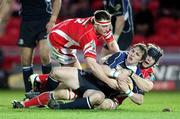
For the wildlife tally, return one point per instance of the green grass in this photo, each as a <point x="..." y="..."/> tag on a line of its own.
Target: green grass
<point x="151" y="109"/>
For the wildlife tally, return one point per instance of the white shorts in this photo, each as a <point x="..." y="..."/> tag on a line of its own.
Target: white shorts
<point x="63" y="55"/>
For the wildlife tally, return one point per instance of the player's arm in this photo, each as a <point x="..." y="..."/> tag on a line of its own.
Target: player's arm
<point x="55" y="11"/>
<point x="113" y="46"/>
<point x="99" y="73"/>
<point x="144" y="84"/>
<point x="103" y="59"/>
<point x="137" y="98"/>
<point x="119" y="25"/>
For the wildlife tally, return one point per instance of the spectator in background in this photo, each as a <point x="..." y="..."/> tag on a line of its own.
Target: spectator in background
<point x="144" y="21"/>
<point x="169" y="8"/>
<point x="38" y="17"/>
<point x="80" y="9"/>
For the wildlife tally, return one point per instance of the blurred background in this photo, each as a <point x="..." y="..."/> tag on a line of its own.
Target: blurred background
<point x="156" y="21"/>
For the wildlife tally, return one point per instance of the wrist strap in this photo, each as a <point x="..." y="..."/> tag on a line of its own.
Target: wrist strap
<point x="129" y="93"/>
<point x="132" y="73"/>
<point x="114" y="74"/>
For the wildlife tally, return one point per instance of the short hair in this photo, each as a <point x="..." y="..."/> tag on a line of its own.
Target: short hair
<point x="100" y="15"/>
<point x="143" y="48"/>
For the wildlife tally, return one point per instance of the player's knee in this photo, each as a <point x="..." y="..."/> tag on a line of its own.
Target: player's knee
<point x="98" y="97"/>
<point x="108" y="104"/>
<point x="54" y="72"/>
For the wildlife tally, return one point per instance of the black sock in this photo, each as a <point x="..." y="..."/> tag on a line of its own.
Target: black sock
<point x="46" y="69"/>
<point x="27" y="71"/>
<point x="79" y="103"/>
<point x="52" y="84"/>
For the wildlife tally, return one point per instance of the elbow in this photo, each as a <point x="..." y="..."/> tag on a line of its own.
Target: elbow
<point x="140" y="102"/>
<point x="149" y="87"/>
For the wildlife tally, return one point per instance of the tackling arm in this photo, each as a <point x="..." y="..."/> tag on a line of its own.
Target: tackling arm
<point x="113" y="46"/>
<point x="144" y="84"/>
<point x="98" y="71"/>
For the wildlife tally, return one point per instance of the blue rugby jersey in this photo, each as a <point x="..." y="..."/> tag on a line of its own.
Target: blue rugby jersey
<point x="118" y="60"/>
<point x="35" y="9"/>
<point x="121" y="8"/>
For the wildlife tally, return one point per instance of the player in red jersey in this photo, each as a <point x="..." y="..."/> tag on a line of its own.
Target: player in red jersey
<point x="81" y="34"/>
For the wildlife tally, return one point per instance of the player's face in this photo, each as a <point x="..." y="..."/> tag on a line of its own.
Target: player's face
<point x="102" y="29"/>
<point x="149" y="61"/>
<point x="134" y="56"/>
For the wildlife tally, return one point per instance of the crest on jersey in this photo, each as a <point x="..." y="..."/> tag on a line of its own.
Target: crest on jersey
<point x="117" y="7"/>
<point x="21" y="41"/>
<point x="90" y="47"/>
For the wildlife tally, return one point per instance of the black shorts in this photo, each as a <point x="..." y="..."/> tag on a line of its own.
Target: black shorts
<point x="89" y="81"/>
<point x="84" y="83"/>
<point x="31" y="32"/>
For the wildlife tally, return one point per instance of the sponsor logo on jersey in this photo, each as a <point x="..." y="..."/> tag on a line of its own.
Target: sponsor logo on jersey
<point x="21" y="41"/>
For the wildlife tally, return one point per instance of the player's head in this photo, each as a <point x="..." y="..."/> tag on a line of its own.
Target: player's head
<point x="137" y="53"/>
<point x="102" y="21"/>
<point x="153" y="56"/>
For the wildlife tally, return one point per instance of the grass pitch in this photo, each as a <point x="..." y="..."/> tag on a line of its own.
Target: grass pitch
<point x="154" y="103"/>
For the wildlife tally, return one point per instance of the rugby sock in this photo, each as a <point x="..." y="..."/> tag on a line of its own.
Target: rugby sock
<point x="79" y="103"/>
<point x="27" y="71"/>
<point x="52" y="84"/>
<point x="46" y="69"/>
<point x="42" y="78"/>
<point x="41" y="99"/>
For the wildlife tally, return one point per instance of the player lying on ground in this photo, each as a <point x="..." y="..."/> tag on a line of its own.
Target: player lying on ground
<point x="154" y="54"/>
<point x="146" y="84"/>
<point x="86" y="85"/>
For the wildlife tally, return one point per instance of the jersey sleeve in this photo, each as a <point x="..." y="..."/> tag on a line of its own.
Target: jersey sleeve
<point x="108" y="37"/>
<point x="88" y="45"/>
<point x="115" y="59"/>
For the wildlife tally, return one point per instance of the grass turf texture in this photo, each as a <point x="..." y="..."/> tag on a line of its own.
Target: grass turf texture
<point x="154" y="103"/>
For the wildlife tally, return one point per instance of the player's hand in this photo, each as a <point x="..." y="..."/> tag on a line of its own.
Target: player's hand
<point x="123" y="85"/>
<point x="113" y="84"/>
<point x="49" y="25"/>
<point x="123" y="74"/>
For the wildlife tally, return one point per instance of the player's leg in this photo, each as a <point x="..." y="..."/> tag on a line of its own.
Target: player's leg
<point x="96" y="97"/>
<point x="90" y="99"/>
<point x="65" y="94"/>
<point x="27" y="68"/>
<point x="43" y="46"/>
<point x="39" y="100"/>
<point x="67" y="75"/>
<point x="45" y="57"/>
<point x="108" y="104"/>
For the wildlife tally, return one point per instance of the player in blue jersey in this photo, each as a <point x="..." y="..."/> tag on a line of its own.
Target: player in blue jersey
<point x="38" y="17"/>
<point x="122" y="23"/>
